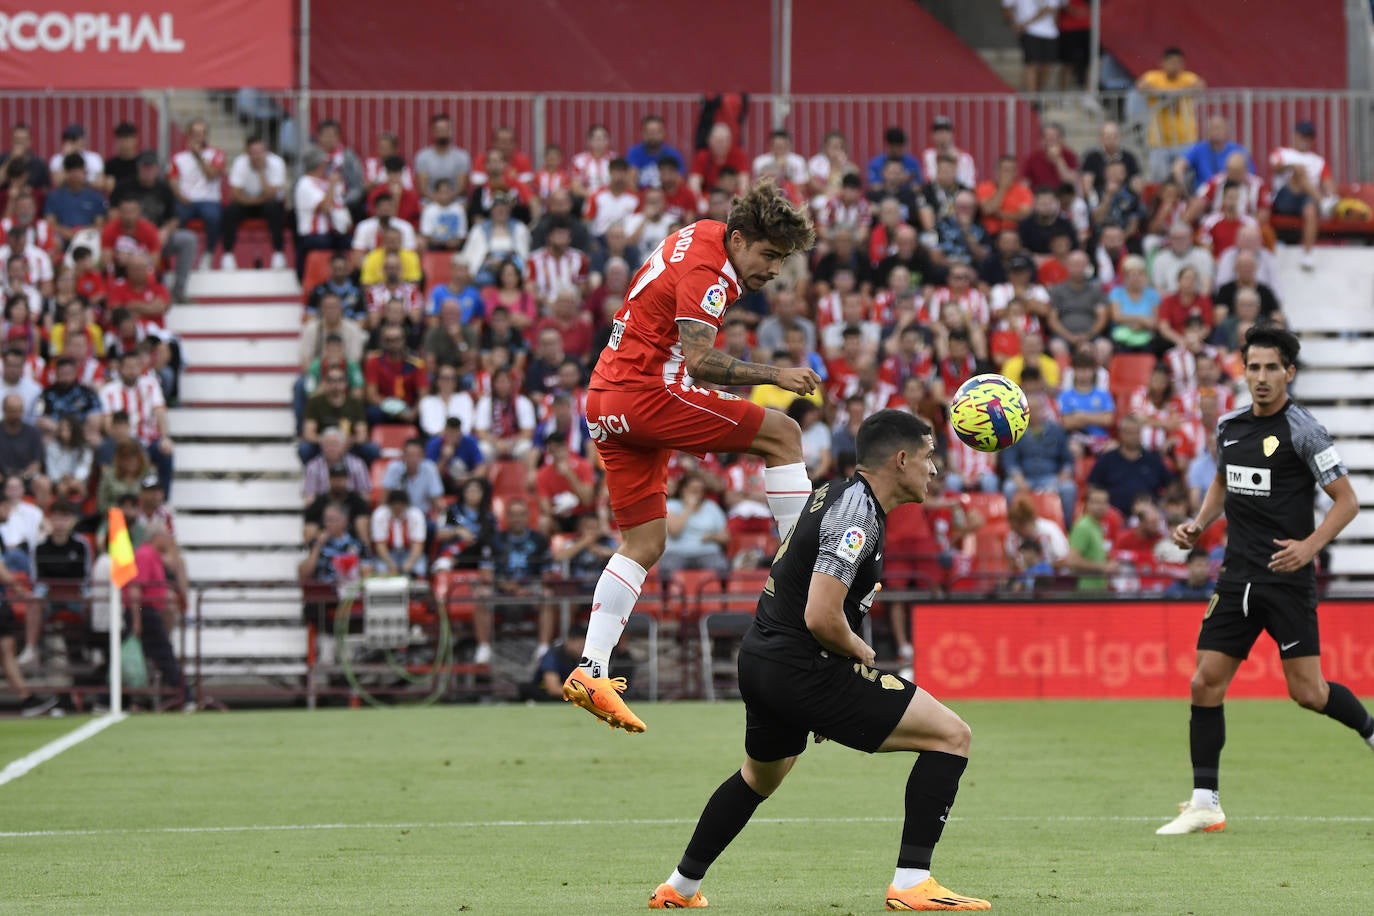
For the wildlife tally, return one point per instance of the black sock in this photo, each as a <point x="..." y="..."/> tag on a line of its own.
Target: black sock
<point x="728" y="810"/>
<point x="1342" y="706"/>
<point x="1206" y="736"/>
<point x="930" y="791"/>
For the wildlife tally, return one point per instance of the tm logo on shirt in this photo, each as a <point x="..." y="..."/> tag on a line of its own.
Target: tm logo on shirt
<point x="1246" y="481"/>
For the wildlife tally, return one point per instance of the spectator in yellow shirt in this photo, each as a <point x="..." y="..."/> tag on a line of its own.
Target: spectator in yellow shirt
<point x="781" y="398"/>
<point x="1033" y="354"/>
<point x="1169" y="92"/>
<point x="371" y="271"/>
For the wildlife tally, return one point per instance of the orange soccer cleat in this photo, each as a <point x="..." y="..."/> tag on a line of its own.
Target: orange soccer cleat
<point x="931" y="895"/>
<point x="666" y="897"/>
<point x="600" y="696"/>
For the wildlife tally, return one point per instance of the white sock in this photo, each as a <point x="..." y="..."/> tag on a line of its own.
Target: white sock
<point x="1370" y="741"/>
<point x="1206" y="798"/>
<point x="684" y="885"/>
<point x="612" y="603"/>
<point x="906" y="878"/>
<point x="788" y="490"/>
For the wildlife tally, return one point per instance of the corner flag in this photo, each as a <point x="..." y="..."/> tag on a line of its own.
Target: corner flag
<point x="122" y="565"/>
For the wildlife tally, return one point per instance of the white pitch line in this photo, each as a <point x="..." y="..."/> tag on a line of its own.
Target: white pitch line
<point x="667" y="821"/>
<point x="24" y="764"/>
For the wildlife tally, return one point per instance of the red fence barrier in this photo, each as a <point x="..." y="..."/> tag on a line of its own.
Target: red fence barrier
<point x="1115" y="650"/>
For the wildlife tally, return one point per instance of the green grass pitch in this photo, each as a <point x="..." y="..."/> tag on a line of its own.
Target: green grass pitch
<point x="512" y="809"/>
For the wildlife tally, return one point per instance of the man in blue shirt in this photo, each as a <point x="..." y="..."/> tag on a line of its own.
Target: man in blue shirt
<point x="517" y="568"/>
<point x="643" y="156"/>
<point x="894" y="140"/>
<point x="1208" y="157"/>
<point x="455" y="453"/>
<point x="1085" y="410"/>
<point x="1129" y="469"/>
<point x="415" y="474"/>
<point x="75" y="205"/>
<point x="341" y="284"/>
<point x="1040" y="460"/>
<point x="460" y="289"/>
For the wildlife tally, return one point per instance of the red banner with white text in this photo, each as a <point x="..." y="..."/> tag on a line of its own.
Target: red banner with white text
<point x="1110" y="651"/>
<point x="143" y="44"/>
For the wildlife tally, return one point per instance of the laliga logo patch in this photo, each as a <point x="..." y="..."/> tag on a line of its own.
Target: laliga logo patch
<point x="1271" y="444"/>
<point x="713" y="303"/>
<point x="851" y="545"/>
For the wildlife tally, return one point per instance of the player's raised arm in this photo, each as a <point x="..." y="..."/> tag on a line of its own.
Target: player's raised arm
<point x="703" y="361"/>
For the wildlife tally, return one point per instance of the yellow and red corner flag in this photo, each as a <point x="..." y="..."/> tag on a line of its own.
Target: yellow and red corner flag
<point x="122" y="565"/>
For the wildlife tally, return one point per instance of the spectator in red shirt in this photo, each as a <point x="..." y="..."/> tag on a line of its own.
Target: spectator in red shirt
<point x="566" y="485"/>
<point x="1053" y="163"/>
<point x="721" y="151"/>
<point x="395" y="381"/>
<point x="407" y="200"/>
<point x="1188" y="302"/>
<point x="140" y="292"/>
<point x="127" y="234"/>
<point x="678" y="196"/>
<point x="148" y="600"/>
<point x="568" y="318"/>
<point x="1218" y="230"/>
<point x="90" y="282"/>
<point x="517" y="160"/>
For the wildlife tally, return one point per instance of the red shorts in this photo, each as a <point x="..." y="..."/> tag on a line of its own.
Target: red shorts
<point x="637" y="430"/>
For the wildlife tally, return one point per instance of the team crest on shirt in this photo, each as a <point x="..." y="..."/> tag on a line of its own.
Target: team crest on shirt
<point x="851" y="545"/>
<point x="1271" y="445"/>
<point x="713" y="303"/>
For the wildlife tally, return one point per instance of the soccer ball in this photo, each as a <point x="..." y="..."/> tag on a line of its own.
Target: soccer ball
<point x="989" y="412"/>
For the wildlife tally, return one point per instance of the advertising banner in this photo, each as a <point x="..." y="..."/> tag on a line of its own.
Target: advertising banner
<point x="140" y="44"/>
<point x="1125" y="649"/>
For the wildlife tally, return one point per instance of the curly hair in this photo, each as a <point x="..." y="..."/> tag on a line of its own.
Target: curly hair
<point x="765" y="213"/>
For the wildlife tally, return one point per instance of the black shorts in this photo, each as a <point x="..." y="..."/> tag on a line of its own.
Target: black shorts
<point x="1037" y="50"/>
<point x="840" y="700"/>
<point x="1238" y="613"/>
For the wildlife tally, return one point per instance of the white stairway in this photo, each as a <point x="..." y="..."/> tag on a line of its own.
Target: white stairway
<point x="1332" y="310"/>
<point x="238" y="480"/>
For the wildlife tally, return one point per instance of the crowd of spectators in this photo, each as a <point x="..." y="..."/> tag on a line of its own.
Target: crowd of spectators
<point x="1117" y="305"/>
<point x="445" y="350"/>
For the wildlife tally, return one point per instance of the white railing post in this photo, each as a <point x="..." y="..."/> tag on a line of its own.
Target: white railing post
<point x="539" y="132"/>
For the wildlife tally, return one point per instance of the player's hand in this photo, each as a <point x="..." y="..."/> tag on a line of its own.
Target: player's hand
<point x="864" y="653"/>
<point x="1186" y="535"/>
<point x="798" y="380"/>
<point x="1292" y="556"/>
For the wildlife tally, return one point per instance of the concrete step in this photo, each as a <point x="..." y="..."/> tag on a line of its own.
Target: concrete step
<point x="1358" y="455"/>
<point x="253" y="642"/>
<point x="259" y="604"/>
<point x="193" y="458"/>
<point x="231" y="495"/>
<point x="242" y="565"/>
<point x="232" y="423"/>
<point x="256" y="388"/>
<point x="1335" y="353"/>
<point x="247" y="351"/>
<point x="250" y="283"/>
<point x="208" y="318"/>
<point x="1333" y="384"/>
<point x="1346" y="421"/>
<point x="1362" y="528"/>
<point x="1352" y="559"/>
<point x="220" y="530"/>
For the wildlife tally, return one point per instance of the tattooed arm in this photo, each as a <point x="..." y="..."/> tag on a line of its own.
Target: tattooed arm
<point x="703" y="361"/>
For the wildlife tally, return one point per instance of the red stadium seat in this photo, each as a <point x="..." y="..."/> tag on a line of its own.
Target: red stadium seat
<point x="377" y="472"/>
<point x="316" y="270"/>
<point x="510" y="477"/>
<point x="438" y="268"/>
<point x="454" y="591"/>
<point x="686" y="589"/>
<point x="743" y="588"/>
<point x="1050" y="506"/>
<point x="1130" y="370"/>
<point x="764" y="542"/>
<point x="993" y="508"/>
<point x="392" y="438"/>
<point x="499" y="503"/>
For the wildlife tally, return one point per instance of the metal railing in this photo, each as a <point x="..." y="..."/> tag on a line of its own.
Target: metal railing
<point x="987" y="125"/>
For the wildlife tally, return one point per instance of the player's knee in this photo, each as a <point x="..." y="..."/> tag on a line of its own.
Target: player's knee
<point x="958" y="737"/>
<point x="781" y="438"/>
<point x="1204" y="686"/>
<point x="1307" y="695"/>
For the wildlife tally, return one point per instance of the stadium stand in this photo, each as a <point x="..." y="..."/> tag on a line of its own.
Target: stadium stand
<point x="249" y="373"/>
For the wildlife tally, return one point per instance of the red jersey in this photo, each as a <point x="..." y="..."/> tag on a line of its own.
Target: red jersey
<point x="123" y="293"/>
<point x="120" y="238"/>
<point x="687" y="278"/>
